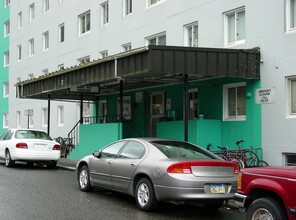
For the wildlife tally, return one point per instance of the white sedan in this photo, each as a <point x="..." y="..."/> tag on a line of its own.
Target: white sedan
<point x="31" y="146"/>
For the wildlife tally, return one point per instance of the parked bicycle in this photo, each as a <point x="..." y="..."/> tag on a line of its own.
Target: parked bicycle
<point x="223" y="153"/>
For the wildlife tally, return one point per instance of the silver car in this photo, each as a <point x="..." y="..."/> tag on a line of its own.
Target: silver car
<point x="153" y="170"/>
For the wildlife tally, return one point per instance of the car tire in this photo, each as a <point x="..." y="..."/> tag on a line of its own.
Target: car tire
<point x="266" y="208"/>
<point x="8" y="161"/>
<point x="84" y="179"/>
<point x="145" y="195"/>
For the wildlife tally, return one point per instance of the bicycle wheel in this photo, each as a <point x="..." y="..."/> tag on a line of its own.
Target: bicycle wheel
<point x="222" y="156"/>
<point x="262" y="163"/>
<point x="250" y="159"/>
<point x="238" y="161"/>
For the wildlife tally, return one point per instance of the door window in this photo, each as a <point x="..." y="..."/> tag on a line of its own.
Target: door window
<point x="133" y="150"/>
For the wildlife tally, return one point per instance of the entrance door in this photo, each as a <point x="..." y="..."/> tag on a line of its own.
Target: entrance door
<point x="157" y="111"/>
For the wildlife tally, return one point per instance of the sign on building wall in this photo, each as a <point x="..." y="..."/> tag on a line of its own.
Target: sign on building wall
<point x="265" y="96"/>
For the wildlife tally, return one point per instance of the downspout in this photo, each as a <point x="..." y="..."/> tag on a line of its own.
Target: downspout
<point x="185" y="108"/>
<point x="48" y="115"/>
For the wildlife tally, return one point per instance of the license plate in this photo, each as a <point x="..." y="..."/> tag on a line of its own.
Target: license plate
<point x="217" y="188"/>
<point x="40" y="146"/>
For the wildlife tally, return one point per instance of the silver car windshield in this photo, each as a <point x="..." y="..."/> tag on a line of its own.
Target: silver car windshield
<point x="175" y="149"/>
<point x="30" y="134"/>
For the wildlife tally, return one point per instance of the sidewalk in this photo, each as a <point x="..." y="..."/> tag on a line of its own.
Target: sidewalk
<point x="67" y="163"/>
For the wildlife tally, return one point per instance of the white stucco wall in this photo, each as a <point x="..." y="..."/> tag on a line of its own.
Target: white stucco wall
<point x="265" y="28"/>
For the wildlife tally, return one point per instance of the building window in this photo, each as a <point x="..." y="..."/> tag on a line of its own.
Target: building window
<point x="61" y="33"/>
<point x="290" y="159"/>
<point x="44" y="117"/>
<point x="60" y="116"/>
<point x="104" y="54"/>
<point x="45" y="37"/>
<point x="235" y="27"/>
<point x="45" y="71"/>
<point x="291" y="15"/>
<point x="291" y="96"/>
<point x="5" y="120"/>
<point x="32" y="12"/>
<point x="61" y="67"/>
<point x="5" y="89"/>
<point x="84" y="23"/>
<point x="105" y="13"/>
<point x="83" y="60"/>
<point x="45" y="6"/>
<point x="126" y="47"/>
<point x="31" y="47"/>
<point x="153" y="2"/>
<point x="158" y="39"/>
<point x="127" y="7"/>
<point x="6" y="58"/>
<point x="6" y="3"/>
<point x="6" y="28"/>
<point x="234" y="101"/>
<point x="19" y="20"/>
<point x="18" y="119"/>
<point x="191" y="35"/>
<point x="19" y="52"/>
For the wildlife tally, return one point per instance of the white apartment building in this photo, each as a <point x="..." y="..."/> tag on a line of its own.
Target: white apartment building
<point x="47" y="35"/>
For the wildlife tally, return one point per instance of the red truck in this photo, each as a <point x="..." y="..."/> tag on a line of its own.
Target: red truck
<point x="267" y="193"/>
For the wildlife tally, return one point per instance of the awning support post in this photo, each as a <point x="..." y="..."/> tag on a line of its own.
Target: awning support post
<point x="185" y="108"/>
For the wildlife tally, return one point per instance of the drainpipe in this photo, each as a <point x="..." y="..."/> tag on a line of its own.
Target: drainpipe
<point x="185" y="108"/>
<point x="81" y="108"/>
<point x="121" y="100"/>
<point x="48" y="115"/>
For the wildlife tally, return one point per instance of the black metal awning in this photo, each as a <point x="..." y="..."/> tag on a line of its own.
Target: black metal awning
<point x="141" y="68"/>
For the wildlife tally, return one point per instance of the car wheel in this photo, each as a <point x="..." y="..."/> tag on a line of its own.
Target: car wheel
<point x="8" y="161"/>
<point x="145" y="196"/>
<point x="265" y="208"/>
<point x="84" y="180"/>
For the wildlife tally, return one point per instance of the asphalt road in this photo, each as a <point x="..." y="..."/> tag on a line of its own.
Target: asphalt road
<point x="39" y="193"/>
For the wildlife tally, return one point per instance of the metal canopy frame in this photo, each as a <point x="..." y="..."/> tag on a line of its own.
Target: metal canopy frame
<point x="141" y="68"/>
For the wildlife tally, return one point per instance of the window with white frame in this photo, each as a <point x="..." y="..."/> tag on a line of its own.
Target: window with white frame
<point x="158" y="39"/>
<point x="32" y="12"/>
<point x="44" y="117"/>
<point x="5" y="89"/>
<point x="6" y="28"/>
<point x="31" y="121"/>
<point x="83" y="60"/>
<point x="191" y="34"/>
<point x="126" y="47"/>
<point x="45" y="37"/>
<point x="84" y="23"/>
<point x="235" y="30"/>
<point x="19" y="20"/>
<point x="127" y="7"/>
<point x="19" y="52"/>
<point x="61" y="115"/>
<point x="291" y="15"/>
<point x="61" y="66"/>
<point x="31" y="47"/>
<point x="45" y="71"/>
<point x="61" y="33"/>
<point x="6" y="58"/>
<point x="18" y="119"/>
<point x="5" y="120"/>
<point x="104" y="54"/>
<point x="105" y="13"/>
<point x="291" y="96"/>
<point x="153" y="2"/>
<point x="6" y="3"/>
<point x="234" y="97"/>
<point x="45" y="6"/>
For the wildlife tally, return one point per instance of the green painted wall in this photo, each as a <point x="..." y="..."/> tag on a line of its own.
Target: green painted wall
<point x="93" y="137"/>
<point x="212" y="129"/>
<point x="4" y="46"/>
